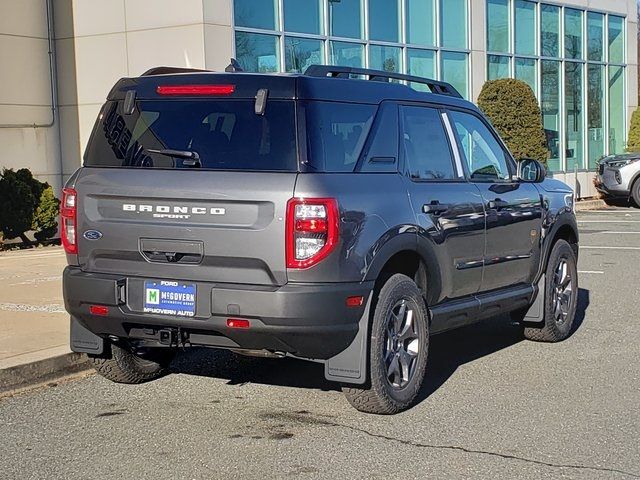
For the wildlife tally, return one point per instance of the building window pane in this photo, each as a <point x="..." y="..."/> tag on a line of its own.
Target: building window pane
<point x="550" y="35"/>
<point x="498" y="25"/>
<point x="498" y="67"/>
<point x="257" y="52"/>
<point x="302" y="52"/>
<point x="595" y="36"/>
<point x="616" y="110"/>
<point x="420" y="22"/>
<point x="454" y="70"/>
<point x="255" y="13"/>
<point x="346" y="54"/>
<point x="550" y="102"/>
<point x="526" y="71"/>
<point x="385" y="58"/>
<point x="572" y="33"/>
<point x="421" y="63"/>
<point x="595" y="113"/>
<point x="453" y="24"/>
<point x="616" y="39"/>
<point x="303" y="17"/>
<point x="345" y="18"/>
<point x="525" y="27"/>
<point x="384" y="20"/>
<point x="573" y="114"/>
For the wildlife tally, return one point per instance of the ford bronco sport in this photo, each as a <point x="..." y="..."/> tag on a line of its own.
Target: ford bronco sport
<point x="342" y="216"/>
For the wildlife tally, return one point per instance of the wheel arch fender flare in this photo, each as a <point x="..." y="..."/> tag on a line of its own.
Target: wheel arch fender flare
<point x="564" y="226"/>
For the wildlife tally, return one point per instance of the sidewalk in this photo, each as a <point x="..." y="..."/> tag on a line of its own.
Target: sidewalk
<point x="34" y="328"/>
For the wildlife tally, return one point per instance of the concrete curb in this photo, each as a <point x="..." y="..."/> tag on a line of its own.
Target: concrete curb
<point x="592" y="204"/>
<point x="41" y="371"/>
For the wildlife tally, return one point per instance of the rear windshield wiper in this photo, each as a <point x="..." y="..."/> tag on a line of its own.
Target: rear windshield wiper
<point x="190" y="159"/>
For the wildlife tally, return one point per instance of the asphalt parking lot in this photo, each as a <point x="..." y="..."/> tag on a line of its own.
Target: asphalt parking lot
<point x="493" y="406"/>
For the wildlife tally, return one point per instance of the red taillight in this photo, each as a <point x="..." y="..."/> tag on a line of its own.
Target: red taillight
<point x="68" y="220"/>
<point x="99" y="310"/>
<point x="196" y="89"/>
<point x="238" y="323"/>
<point x="311" y="230"/>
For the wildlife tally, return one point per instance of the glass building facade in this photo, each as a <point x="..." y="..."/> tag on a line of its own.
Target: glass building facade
<point x="573" y="59"/>
<point x="428" y="38"/>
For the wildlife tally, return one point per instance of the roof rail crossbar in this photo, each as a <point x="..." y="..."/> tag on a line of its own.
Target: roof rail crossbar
<point x="437" y="87"/>
<point x="170" y="70"/>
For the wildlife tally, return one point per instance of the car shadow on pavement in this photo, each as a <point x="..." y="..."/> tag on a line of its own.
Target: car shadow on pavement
<point x="447" y="352"/>
<point x="450" y="350"/>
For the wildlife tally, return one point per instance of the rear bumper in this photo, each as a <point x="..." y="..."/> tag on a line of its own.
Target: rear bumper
<point x="306" y="320"/>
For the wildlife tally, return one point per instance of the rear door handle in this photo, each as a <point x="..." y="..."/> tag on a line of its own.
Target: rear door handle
<point x="497" y="204"/>
<point x="435" y="208"/>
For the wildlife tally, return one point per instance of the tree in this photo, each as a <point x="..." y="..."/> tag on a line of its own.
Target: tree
<point x="45" y="219"/>
<point x="513" y="110"/>
<point x="17" y="204"/>
<point x="633" y="144"/>
<point x="26" y="204"/>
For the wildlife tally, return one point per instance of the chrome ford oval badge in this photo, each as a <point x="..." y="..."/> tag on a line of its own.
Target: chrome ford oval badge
<point x="92" y="235"/>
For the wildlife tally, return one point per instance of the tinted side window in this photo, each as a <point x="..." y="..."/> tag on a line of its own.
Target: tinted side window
<point x="484" y="156"/>
<point x="425" y="144"/>
<point x="336" y="133"/>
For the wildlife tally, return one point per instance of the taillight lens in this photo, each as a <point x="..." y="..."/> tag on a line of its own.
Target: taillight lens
<point x="68" y="220"/>
<point x="312" y="230"/>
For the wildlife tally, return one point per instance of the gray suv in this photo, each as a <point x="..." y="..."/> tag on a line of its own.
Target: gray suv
<point x="340" y="216"/>
<point x="619" y="176"/>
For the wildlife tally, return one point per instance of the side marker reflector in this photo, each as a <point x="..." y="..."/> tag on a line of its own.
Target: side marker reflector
<point x="355" y="301"/>
<point x="237" y="323"/>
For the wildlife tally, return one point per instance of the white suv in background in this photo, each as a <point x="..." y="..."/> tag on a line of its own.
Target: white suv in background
<point x="619" y="176"/>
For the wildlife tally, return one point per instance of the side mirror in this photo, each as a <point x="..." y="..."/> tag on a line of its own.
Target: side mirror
<point x="531" y="171"/>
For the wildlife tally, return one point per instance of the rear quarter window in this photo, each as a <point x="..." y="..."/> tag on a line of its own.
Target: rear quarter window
<point x="336" y="134"/>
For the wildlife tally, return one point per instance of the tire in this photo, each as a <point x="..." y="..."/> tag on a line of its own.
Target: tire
<point x="124" y="366"/>
<point x="405" y="338"/>
<point x="635" y="192"/>
<point x="561" y="296"/>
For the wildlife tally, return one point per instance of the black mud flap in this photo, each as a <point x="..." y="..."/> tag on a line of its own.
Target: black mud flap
<point x="535" y="314"/>
<point x="84" y="341"/>
<point x="350" y="365"/>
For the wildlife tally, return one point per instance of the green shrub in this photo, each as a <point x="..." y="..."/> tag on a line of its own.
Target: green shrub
<point x="633" y="144"/>
<point x="45" y="219"/>
<point x="26" y="204"/>
<point x="17" y="204"/>
<point x="513" y="110"/>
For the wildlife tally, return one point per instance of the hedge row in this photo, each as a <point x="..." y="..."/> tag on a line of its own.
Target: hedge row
<point x="27" y="204"/>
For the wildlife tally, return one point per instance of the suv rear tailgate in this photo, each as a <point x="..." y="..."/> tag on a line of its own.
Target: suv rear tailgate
<point x="218" y="226"/>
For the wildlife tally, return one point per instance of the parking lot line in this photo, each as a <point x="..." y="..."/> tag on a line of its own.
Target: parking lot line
<point x="608" y="221"/>
<point x="623" y="212"/>
<point x="36" y="255"/>
<point x="611" y="232"/>
<point x="606" y="247"/>
<point x="591" y="272"/>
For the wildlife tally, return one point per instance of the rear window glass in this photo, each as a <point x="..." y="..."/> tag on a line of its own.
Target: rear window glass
<point x="225" y="135"/>
<point x="336" y="133"/>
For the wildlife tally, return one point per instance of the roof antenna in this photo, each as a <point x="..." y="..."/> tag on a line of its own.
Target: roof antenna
<point x="233" y="67"/>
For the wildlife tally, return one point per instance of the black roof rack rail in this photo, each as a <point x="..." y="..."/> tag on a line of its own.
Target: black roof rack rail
<point x="169" y="70"/>
<point x="436" y="86"/>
